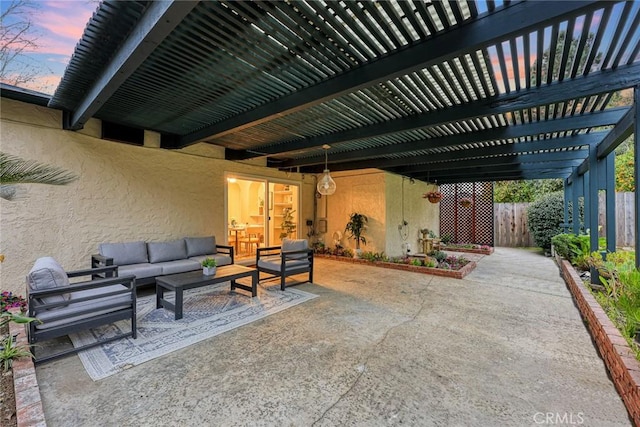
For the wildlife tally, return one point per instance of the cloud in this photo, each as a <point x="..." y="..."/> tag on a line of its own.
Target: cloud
<point x="62" y="24"/>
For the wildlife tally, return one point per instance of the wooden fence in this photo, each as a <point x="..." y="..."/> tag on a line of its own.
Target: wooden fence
<point x="511" y="228"/>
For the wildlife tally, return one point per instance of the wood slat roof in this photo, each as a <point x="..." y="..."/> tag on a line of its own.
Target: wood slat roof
<point x="434" y="90"/>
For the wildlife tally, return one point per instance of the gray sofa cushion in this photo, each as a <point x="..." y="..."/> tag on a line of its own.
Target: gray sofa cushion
<point x="68" y="314"/>
<point x="46" y="273"/>
<point x="140" y="270"/>
<point x="221" y="259"/>
<point x="295" y="245"/>
<point x="179" y="266"/>
<point x="274" y="264"/>
<point x="125" y="253"/>
<point x="167" y="251"/>
<point x="200" y="245"/>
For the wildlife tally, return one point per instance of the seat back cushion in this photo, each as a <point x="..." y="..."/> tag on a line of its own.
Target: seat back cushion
<point x="200" y="245"/>
<point x="167" y="251"/>
<point x="295" y="245"/>
<point x="46" y="273"/>
<point x="125" y="253"/>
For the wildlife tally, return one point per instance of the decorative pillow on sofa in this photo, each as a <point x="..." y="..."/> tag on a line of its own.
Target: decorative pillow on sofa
<point x="125" y="253"/>
<point x="200" y="245"/>
<point x="167" y="251"/>
<point x="46" y="273"/>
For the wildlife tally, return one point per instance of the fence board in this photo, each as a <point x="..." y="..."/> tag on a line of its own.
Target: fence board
<point x="511" y="228"/>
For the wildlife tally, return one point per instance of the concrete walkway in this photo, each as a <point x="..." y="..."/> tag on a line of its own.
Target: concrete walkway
<point x="503" y="347"/>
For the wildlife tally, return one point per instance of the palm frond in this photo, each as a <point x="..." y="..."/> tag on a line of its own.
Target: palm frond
<point x="14" y="170"/>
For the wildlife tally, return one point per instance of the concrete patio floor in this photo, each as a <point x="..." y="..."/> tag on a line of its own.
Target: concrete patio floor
<point x="503" y="347"/>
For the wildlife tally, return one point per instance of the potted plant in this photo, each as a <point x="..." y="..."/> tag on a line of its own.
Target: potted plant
<point x="209" y="266"/>
<point x="355" y="227"/>
<point x="465" y="202"/>
<point x="433" y="196"/>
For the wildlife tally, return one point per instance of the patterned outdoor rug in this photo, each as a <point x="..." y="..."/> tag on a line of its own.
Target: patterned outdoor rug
<point x="208" y="311"/>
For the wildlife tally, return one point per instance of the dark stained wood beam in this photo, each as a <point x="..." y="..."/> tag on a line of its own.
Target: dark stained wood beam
<point x="423" y="160"/>
<point x="583" y="86"/>
<point x="514" y="176"/>
<point x="509" y="22"/>
<point x="595" y="119"/>
<point x="622" y="130"/>
<point x="159" y="20"/>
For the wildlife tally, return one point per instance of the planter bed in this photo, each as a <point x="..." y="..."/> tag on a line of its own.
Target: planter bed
<point x="620" y="361"/>
<point x="456" y="274"/>
<point x="468" y="250"/>
<point x="29" y="410"/>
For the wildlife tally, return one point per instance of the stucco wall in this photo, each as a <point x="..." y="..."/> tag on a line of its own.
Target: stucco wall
<point x="124" y="193"/>
<point x="418" y="213"/>
<point x="379" y="195"/>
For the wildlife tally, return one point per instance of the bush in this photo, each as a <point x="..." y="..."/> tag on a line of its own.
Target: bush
<point x="545" y="216"/>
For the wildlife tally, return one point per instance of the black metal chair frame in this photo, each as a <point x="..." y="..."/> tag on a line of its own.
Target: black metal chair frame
<point x="36" y="335"/>
<point x="283" y="273"/>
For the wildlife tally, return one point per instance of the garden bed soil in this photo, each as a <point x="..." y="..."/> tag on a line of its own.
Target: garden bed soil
<point x="618" y="357"/>
<point x="456" y="274"/>
<point x="468" y="250"/>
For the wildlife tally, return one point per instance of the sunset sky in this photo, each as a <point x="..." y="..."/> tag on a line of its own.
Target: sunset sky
<point x="58" y="26"/>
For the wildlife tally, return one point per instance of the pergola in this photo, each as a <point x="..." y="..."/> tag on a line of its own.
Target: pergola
<point x="439" y="91"/>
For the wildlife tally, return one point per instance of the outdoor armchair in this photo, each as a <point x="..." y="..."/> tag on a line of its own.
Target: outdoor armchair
<point x="63" y="308"/>
<point x="293" y="257"/>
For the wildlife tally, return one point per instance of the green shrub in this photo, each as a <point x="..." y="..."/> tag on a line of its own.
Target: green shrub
<point x="562" y="245"/>
<point x="545" y="216"/>
<point x="438" y="255"/>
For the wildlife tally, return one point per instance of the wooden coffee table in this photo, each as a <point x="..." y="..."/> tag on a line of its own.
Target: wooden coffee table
<point x="195" y="279"/>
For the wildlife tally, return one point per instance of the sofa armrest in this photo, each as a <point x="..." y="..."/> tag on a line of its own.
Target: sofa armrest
<point x="227" y="250"/>
<point x="98" y="261"/>
<point x="268" y="251"/>
<point x="128" y="281"/>
<point x="95" y="271"/>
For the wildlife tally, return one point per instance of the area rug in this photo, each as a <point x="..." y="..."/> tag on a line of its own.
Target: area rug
<point x="208" y="312"/>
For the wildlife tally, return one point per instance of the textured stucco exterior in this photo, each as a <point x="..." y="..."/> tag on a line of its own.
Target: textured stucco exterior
<point x="380" y="196"/>
<point x="123" y="193"/>
<point x="418" y="213"/>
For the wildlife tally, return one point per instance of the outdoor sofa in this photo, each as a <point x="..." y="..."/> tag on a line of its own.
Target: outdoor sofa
<point x="63" y="308"/>
<point x="148" y="260"/>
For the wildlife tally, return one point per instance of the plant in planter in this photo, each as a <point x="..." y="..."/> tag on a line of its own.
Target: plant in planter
<point x="209" y="266"/>
<point x="465" y="202"/>
<point x="355" y="227"/>
<point x="433" y="196"/>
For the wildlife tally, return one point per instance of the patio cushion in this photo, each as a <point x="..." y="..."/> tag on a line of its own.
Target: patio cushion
<point x="220" y="259"/>
<point x="274" y="264"/>
<point x="125" y="253"/>
<point x="66" y="313"/>
<point x="179" y="266"/>
<point x="295" y="245"/>
<point x="141" y="270"/>
<point x="200" y="245"/>
<point x="167" y="251"/>
<point x="46" y="273"/>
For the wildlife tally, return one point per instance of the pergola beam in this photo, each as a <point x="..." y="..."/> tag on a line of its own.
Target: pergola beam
<point x="564" y="156"/>
<point x="160" y="19"/>
<point x="592" y="84"/>
<point x="598" y="118"/>
<point x="425" y="159"/>
<point x="622" y="130"/>
<point x="498" y="177"/>
<point x="510" y="22"/>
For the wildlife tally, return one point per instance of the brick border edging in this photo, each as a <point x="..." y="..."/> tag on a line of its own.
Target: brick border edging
<point x="469" y="251"/>
<point x="456" y="274"/>
<point x="29" y="411"/>
<point x="620" y="361"/>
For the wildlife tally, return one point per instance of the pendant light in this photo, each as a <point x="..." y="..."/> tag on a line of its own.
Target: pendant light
<point x="326" y="185"/>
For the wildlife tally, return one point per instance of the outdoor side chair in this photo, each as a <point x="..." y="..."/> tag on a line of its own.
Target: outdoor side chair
<point x="293" y="257"/>
<point x="63" y="308"/>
